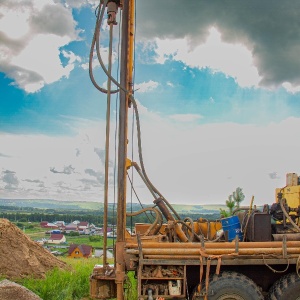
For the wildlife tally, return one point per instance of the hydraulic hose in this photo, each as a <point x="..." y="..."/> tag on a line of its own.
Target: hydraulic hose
<point x="156" y="224"/>
<point x="95" y="40"/>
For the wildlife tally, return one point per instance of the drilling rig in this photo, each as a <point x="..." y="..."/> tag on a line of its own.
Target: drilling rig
<point x="251" y="255"/>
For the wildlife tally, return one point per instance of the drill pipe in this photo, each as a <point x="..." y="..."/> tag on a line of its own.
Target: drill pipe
<point x="216" y="251"/>
<point x="231" y="258"/>
<point x="225" y="245"/>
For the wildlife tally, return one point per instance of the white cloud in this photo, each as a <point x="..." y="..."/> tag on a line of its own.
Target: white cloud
<point x="188" y="163"/>
<point x="10" y="18"/>
<point x="185" y="117"/>
<point x="234" y="60"/>
<point x="71" y="56"/>
<point x="205" y="163"/>
<point x="29" y="52"/>
<point x="34" y="160"/>
<point x="41" y="56"/>
<point x="145" y="87"/>
<point x="169" y="83"/>
<point x="104" y="51"/>
<point x="294" y="89"/>
<point x="78" y="4"/>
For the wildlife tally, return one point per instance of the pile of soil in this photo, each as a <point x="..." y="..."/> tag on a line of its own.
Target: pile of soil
<point x="21" y="257"/>
<point x="10" y="290"/>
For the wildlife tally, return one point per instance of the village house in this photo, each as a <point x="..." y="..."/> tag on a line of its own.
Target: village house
<point x="43" y="223"/>
<point x="83" y="225"/>
<point x="56" y="238"/>
<point x="48" y="225"/>
<point x="70" y="228"/>
<point x="80" y="251"/>
<point x="60" y="224"/>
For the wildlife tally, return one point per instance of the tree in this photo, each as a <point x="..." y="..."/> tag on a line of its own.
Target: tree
<point x="224" y="213"/>
<point x="234" y="200"/>
<point x="238" y="196"/>
<point x="230" y="203"/>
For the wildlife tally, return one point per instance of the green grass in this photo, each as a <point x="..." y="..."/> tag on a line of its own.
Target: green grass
<point x="67" y="284"/>
<point x="131" y="291"/>
<point x="72" y="283"/>
<point x="85" y="240"/>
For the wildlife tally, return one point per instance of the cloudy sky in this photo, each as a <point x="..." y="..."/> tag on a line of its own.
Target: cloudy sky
<point x="217" y="84"/>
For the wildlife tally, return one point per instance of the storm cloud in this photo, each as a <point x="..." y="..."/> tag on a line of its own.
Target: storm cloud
<point x="10" y="179"/>
<point x="269" y="29"/>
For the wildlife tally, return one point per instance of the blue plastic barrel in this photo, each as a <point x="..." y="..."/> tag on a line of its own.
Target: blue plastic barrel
<point x="232" y="226"/>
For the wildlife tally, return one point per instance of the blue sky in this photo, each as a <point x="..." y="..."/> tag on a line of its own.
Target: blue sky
<point x="218" y="88"/>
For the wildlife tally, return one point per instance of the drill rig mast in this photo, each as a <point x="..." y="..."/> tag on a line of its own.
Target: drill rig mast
<point x="182" y="259"/>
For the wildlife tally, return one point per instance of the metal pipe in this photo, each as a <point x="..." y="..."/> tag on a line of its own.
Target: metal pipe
<point x="131" y="27"/>
<point x="178" y="229"/>
<point x="123" y="120"/>
<point x="107" y="147"/>
<point x="228" y="259"/>
<point x="162" y="253"/>
<point x="220" y="251"/>
<point x="122" y="151"/>
<point x="279" y="244"/>
<point x="172" y="257"/>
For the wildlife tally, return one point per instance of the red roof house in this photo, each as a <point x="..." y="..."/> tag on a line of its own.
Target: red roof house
<point x="57" y="238"/>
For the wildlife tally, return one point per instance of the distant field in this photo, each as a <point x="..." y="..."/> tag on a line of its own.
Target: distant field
<point x="52" y="204"/>
<point x="82" y="205"/>
<point x="206" y="208"/>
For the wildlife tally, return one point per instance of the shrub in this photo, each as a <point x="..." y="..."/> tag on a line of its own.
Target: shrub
<point x="95" y="238"/>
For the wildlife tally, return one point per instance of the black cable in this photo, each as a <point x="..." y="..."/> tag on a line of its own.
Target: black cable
<point x="138" y="197"/>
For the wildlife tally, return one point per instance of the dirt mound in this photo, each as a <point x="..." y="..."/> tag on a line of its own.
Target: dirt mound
<point x="10" y="290"/>
<point x="21" y="257"/>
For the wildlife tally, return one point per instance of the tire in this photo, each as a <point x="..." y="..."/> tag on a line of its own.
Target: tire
<point x="230" y="286"/>
<point x="287" y="287"/>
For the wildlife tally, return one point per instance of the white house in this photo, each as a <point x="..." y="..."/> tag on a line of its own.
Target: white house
<point x="57" y="238"/>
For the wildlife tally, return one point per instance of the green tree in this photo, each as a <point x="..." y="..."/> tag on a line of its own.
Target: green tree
<point x="238" y="196"/>
<point x="230" y="203"/>
<point x="224" y="213"/>
<point x="234" y="200"/>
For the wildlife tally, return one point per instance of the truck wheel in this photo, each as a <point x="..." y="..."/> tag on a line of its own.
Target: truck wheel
<point x="229" y="286"/>
<point x="287" y="287"/>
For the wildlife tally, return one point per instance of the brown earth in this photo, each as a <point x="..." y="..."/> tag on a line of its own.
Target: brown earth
<point x="21" y="257"/>
<point x="10" y="290"/>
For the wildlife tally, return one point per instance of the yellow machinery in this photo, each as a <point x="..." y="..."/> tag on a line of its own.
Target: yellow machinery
<point x="286" y="210"/>
<point x="249" y="256"/>
<point x="291" y="192"/>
